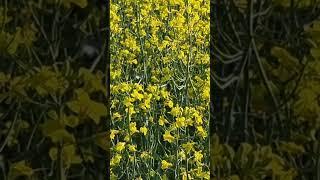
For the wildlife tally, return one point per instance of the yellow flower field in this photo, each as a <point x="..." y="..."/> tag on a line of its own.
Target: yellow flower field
<point x="160" y="89"/>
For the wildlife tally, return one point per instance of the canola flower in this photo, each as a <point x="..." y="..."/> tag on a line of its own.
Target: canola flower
<point x="165" y="164"/>
<point x="159" y="89"/>
<point x="168" y="137"/>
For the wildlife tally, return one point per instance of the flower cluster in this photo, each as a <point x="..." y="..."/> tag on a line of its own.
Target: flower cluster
<point x="160" y="89"/>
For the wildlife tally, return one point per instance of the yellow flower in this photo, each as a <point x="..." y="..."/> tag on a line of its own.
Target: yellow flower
<point x="186" y="176"/>
<point x="168" y="137"/>
<point x="135" y="94"/>
<point x="144" y="130"/>
<point x="132" y="148"/>
<point x="113" y="133"/>
<point x="127" y="138"/>
<point x="169" y="103"/>
<point x="198" y="118"/>
<point x="138" y="87"/>
<point x="162" y="121"/>
<point x="151" y="119"/>
<point x="133" y="61"/>
<point x="165" y="164"/>
<point x="202" y="132"/>
<point x="201" y="174"/>
<point x="124" y="87"/>
<point x="182" y="155"/>
<point x="180" y="122"/>
<point x="145" y="155"/>
<point x="131" y="158"/>
<point x="188" y="146"/>
<point x="176" y="111"/>
<point x="152" y="89"/>
<point x="128" y="101"/>
<point x="130" y="110"/>
<point x="115" y="160"/>
<point x="116" y="115"/>
<point x="198" y="156"/>
<point x="206" y="93"/>
<point x="147" y="100"/>
<point x="189" y="122"/>
<point x="132" y="127"/>
<point x="120" y="146"/>
<point x="164" y="94"/>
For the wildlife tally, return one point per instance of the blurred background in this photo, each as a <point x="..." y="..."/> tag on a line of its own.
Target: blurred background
<point x="53" y="89"/>
<point x="265" y="89"/>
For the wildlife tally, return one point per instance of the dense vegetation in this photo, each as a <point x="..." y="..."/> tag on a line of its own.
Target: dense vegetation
<point x="265" y="78"/>
<point x="160" y="89"/>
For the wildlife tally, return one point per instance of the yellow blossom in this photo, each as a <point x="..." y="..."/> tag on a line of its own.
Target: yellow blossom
<point x="128" y="101"/>
<point x="115" y="160"/>
<point x="132" y="148"/>
<point x="145" y="155"/>
<point x="113" y="133"/>
<point x="188" y="146"/>
<point x="120" y="146"/>
<point x="198" y="156"/>
<point x="176" y="111"/>
<point x="127" y="138"/>
<point x="135" y="94"/>
<point x="132" y="127"/>
<point x="131" y="158"/>
<point x="168" y="137"/>
<point x="165" y="164"/>
<point x="201" y="131"/>
<point x="169" y="103"/>
<point x="182" y="155"/>
<point x="180" y="122"/>
<point x="162" y="121"/>
<point x="144" y="130"/>
<point x="116" y="115"/>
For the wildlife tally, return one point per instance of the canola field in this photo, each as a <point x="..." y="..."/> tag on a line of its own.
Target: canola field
<point x="160" y="89"/>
